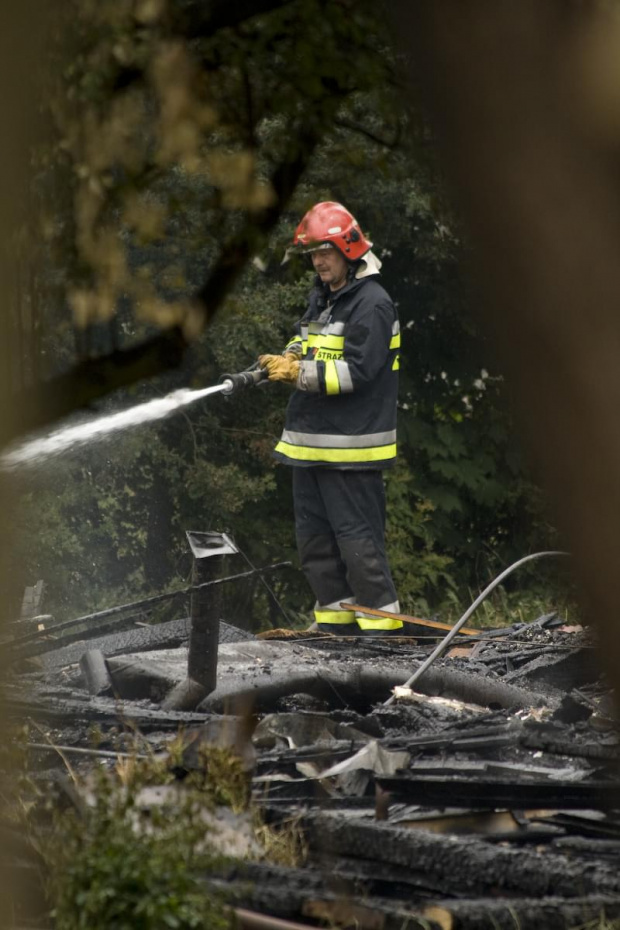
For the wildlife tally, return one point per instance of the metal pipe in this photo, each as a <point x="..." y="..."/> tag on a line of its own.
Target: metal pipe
<point x="457" y="626"/>
<point x="250" y="920"/>
<point x="80" y="751"/>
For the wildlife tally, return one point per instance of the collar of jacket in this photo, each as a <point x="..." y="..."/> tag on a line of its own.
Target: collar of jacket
<point x="324" y="294"/>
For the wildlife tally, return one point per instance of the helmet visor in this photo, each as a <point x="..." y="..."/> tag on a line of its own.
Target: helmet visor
<point x="314" y="247"/>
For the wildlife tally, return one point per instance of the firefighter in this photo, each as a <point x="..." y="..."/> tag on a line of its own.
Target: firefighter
<point x="340" y="427"/>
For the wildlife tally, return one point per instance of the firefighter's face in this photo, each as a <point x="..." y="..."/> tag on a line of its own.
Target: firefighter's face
<point x="331" y="267"/>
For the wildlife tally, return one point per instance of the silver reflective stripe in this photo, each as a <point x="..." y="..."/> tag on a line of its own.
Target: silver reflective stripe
<point x="344" y="376"/>
<point x="393" y="608"/>
<point x="395" y="327"/>
<point x="336" y="604"/>
<point x="335" y="329"/>
<point x="304" y="338"/>
<point x="316" y="328"/>
<point x="308" y="377"/>
<point x="328" y="441"/>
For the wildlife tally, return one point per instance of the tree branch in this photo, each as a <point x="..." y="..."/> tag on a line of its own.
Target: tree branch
<point x="196" y="18"/>
<point x="343" y="123"/>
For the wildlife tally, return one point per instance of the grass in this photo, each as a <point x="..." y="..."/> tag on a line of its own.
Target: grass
<point x="502" y="608"/>
<point x="599" y="923"/>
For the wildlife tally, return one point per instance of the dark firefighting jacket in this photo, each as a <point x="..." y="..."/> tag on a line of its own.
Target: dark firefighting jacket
<point x="343" y="411"/>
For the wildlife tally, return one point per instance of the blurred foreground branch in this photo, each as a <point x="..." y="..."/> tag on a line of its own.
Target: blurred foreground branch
<point x="180" y="134"/>
<point x="526" y="100"/>
<point x="93" y="378"/>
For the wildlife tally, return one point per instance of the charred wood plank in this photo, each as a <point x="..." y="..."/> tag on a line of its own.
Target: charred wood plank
<point x="169" y="635"/>
<point x="546" y="737"/>
<point x="586" y="846"/>
<point x="455" y="865"/>
<point x="288" y="893"/>
<point x="550" y="913"/>
<point x="486" y="793"/>
<point x="50" y="642"/>
<point x="552" y="739"/>
<point x="383" y="880"/>
<point x="100" y="710"/>
<point x="465" y="738"/>
<point x="586" y="824"/>
<point x="278" y="890"/>
<point x="92" y="622"/>
<point x="397" y="894"/>
<point x="565" y="671"/>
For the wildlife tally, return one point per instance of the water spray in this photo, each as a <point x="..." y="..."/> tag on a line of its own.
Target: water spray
<point x="34" y="451"/>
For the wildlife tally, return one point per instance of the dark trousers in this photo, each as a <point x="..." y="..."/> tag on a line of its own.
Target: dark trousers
<point x="340" y="529"/>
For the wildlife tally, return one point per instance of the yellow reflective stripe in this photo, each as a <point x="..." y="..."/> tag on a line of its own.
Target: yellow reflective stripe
<point x="379" y="623"/>
<point x="294" y="340"/>
<point x="395" y="342"/>
<point x="332" y="384"/>
<point x="322" y="341"/>
<point x="312" y="454"/>
<point x="334" y="616"/>
<point x="396" y="363"/>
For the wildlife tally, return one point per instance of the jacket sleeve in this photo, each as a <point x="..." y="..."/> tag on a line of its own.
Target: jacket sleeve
<point x="370" y="343"/>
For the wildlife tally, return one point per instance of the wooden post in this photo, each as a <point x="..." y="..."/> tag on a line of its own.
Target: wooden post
<point x="208" y="550"/>
<point x="205" y="614"/>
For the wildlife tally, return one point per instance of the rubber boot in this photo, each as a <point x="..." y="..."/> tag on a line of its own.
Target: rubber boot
<point x="339" y="629"/>
<point x="382" y="633"/>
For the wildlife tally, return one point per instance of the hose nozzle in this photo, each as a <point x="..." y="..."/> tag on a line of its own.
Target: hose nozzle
<point x="242" y="379"/>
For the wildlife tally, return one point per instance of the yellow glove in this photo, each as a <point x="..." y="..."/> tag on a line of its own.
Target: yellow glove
<point x="280" y="367"/>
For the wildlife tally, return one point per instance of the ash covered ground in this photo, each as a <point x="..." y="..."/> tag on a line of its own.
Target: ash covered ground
<point x="487" y="797"/>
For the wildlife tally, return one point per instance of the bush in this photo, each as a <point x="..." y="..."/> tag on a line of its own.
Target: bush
<point x="112" y="865"/>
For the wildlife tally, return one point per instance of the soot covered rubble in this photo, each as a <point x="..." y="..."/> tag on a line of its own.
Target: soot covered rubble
<point x="487" y="797"/>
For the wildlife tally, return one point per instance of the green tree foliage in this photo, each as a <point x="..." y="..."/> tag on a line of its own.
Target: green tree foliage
<point x="216" y="121"/>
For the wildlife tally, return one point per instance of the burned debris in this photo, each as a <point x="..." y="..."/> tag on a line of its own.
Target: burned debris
<point x="487" y="796"/>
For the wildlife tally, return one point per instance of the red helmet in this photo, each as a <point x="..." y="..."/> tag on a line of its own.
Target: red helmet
<point x="328" y="224"/>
